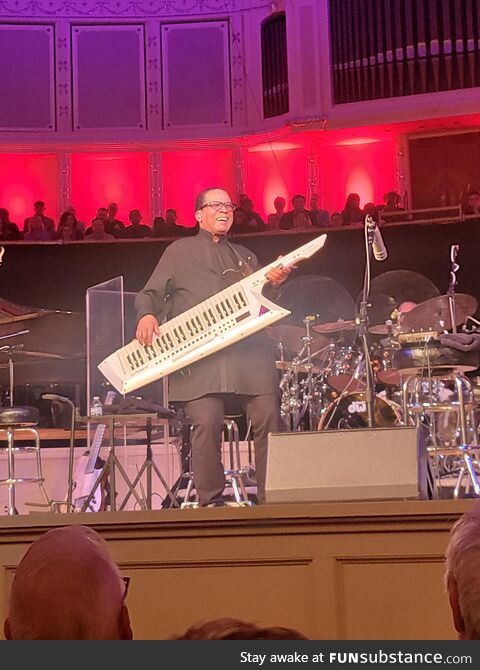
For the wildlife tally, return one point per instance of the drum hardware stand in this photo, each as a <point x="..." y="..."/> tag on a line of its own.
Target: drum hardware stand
<point x="149" y="466"/>
<point x="362" y="319"/>
<point x="453" y="282"/>
<point x="11" y="350"/>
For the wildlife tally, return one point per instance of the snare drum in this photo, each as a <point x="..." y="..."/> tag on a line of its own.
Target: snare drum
<point x="346" y="369"/>
<point x="385" y="370"/>
<point x="350" y="411"/>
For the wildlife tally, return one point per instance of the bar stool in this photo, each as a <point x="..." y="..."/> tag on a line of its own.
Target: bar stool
<point x="234" y="474"/>
<point x="416" y="402"/>
<point x="20" y="418"/>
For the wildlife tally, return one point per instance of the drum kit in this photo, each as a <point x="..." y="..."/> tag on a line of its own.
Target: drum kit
<point x="322" y="365"/>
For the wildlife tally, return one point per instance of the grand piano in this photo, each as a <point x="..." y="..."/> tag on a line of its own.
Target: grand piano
<point x="40" y="348"/>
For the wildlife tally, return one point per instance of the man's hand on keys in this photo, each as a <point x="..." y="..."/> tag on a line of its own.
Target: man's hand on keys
<point x="147" y="327"/>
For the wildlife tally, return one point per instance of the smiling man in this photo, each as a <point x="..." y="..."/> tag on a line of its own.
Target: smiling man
<point x="240" y="377"/>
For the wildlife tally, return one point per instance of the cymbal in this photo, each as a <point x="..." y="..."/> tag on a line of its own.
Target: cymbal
<point x="292" y="338"/>
<point x="404" y="285"/>
<point x="380" y="308"/>
<point x="317" y="295"/>
<point x="435" y="313"/>
<point x="335" y="326"/>
<point x="15" y="351"/>
<point x="381" y="329"/>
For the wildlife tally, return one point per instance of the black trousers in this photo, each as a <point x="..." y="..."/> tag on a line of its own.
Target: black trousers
<point x="207" y="416"/>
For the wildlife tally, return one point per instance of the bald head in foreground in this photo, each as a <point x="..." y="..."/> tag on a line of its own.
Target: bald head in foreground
<point x="67" y="587"/>
<point x="462" y="576"/>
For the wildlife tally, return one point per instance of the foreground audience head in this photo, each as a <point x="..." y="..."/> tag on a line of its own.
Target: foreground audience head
<point x="462" y="576"/>
<point x="112" y="210"/>
<point x="67" y="587"/>
<point x="236" y="629"/>
<point x="279" y="204"/>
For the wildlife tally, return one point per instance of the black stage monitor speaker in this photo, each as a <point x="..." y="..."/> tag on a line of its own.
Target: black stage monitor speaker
<point x="358" y="464"/>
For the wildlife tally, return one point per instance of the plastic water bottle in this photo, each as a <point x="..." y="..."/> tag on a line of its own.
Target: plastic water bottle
<point x="96" y="407"/>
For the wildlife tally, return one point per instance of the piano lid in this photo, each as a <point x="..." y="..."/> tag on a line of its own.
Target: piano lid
<point x="11" y="312"/>
<point x="51" y="333"/>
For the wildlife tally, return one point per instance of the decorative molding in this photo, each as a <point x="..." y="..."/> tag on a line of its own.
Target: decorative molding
<point x="313" y="181"/>
<point x="156" y="182"/>
<point x="95" y="9"/>
<point x="64" y="181"/>
<point x="237" y="70"/>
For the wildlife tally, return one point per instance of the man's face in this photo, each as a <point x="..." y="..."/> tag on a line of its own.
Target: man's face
<point x="298" y="204"/>
<point x="112" y="210"/>
<point x="39" y="210"/>
<point x="98" y="227"/>
<point x="102" y="213"/>
<point x="474" y="200"/>
<point x="135" y="217"/>
<point x="216" y="213"/>
<point x="170" y="216"/>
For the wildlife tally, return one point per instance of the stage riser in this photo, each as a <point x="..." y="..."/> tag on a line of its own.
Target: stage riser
<point x="335" y="571"/>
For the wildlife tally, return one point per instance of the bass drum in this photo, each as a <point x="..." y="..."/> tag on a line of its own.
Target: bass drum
<point x="350" y="411"/>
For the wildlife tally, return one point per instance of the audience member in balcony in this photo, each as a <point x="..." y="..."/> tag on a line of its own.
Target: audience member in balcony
<point x="136" y="230"/>
<point x="273" y="220"/>
<point x="159" y="227"/>
<point x="473" y="202"/>
<point x="371" y="209"/>
<point x="8" y="229"/>
<point x="392" y="201"/>
<point x="97" y="232"/>
<point x="102" y="213"/>
<point x="336" y="220"/>
<point x="238" y="221"/>
<point x="321" y="216"/>
<point x="253" y="221"/>
<point x="174" y="229"/>
<point x="36" y="231"/>
<point x="113" y="225"/>
<point x="39" y="210"/>
<point x="80" y="225"/>
<point x="299" y="217"/>
<point x="352" y="213"/>
<point x="67" y="228"/>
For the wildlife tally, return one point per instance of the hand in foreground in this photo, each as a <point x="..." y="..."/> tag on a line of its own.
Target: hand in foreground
<point x="146" y="328"/>
<point x="461" y="341"/>
<point x="277" y="276"/>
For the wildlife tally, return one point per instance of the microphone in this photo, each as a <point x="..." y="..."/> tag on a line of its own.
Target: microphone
<point x="54" y="396"/>
<point x="379" y="249"/>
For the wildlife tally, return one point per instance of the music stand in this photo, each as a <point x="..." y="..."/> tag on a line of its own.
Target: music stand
<point x="112" y="464"/>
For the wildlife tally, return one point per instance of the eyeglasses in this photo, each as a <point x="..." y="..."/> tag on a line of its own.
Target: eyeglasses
<point x="218" y="206"/>
<point x="126" y="581"/>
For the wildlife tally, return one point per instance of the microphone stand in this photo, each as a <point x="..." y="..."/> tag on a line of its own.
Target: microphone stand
<point x="362" y="319"/>
<point x="451" y="287"/>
